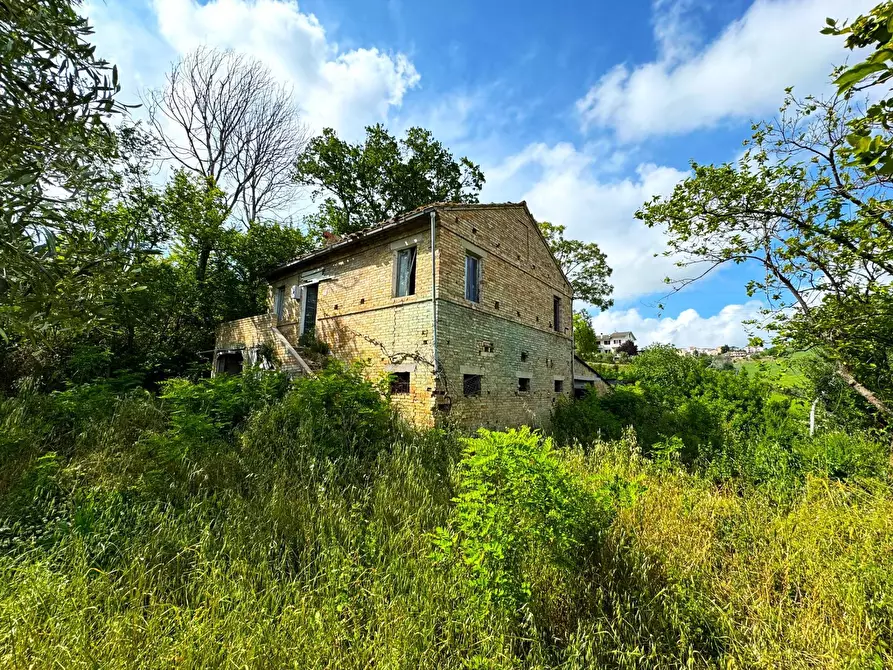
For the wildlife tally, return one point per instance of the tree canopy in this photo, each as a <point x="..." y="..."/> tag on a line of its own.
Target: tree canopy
<point x="364" y="183"/>
<point x="223" y="116"/>
<point x="56" y="97"/>
<point x="817" y="224"/>
<point x="870" y="141"/>
<point x="583" y="263"/>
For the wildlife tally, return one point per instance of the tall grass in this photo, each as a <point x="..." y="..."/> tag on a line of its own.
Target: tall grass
<point x="135" y="534"/>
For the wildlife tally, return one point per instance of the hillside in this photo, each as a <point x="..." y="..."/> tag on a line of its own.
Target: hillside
<point x="228" y="523"/>
<point x="170" y="497"/>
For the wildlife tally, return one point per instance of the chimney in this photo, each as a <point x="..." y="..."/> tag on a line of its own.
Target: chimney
<point x="330" y="238"/>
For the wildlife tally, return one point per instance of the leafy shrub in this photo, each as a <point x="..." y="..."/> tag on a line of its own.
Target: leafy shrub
<point x="336" y="413"/>
<point x="681" y="401"/>
<point x="213" y="407"/>
<point x="842" y="455"/>
<point x="584" y="420"/>
<point x="314" y="345"/>
<point x="755" y="462"/>
<point x="516" y="500"/>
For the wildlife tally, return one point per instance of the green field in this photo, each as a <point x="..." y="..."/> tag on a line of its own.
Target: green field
<point x="784" y="371"/>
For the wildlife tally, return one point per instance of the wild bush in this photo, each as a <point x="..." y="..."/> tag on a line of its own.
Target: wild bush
<point x="216" y="405"/>
<point x="681" y="400"/>
<point x="517" y="504"/>
<point x="337" y="413"/>
<point x="841" y="455"/>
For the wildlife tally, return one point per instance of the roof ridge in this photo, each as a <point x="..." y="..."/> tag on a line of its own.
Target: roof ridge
<point x="346" y="239"/>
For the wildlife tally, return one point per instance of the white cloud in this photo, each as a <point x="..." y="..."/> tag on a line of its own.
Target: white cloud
<point x="343" y="89"/>
<point x="568" y="186"/>
<point x="740" y="74"/>
<point x="687" y="329"/>
<point x="675" y="31"/>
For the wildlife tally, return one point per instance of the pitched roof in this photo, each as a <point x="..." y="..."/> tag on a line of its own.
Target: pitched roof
<point x="616" y="335"/>
<point x="396" y="222"/>
<point x="586" y="365"/>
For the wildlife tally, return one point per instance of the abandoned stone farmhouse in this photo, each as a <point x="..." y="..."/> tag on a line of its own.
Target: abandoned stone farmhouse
<point x="463" y="305"/>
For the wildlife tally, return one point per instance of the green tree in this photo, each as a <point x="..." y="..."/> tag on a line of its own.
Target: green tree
<point x="56" y="98"/>
<point x="756" y="342"/>
<point x="364" y="183"/>
<point x="870" y="142"/>
<point x="585" y="340"/>
<point x="196" y="209"/>
<point x="583" y="263"/>
<point x="816" y="224"/>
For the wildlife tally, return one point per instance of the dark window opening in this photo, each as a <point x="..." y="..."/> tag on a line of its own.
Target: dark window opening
<point x="486" y="347"/>
<point x="559" y="386"/>
<point x="406" y="272"/>
<point x="279" y="301"/>
<point x="556" y="313"/>
<point x="472" y="278"/>
<point x="230" y="363"/>
<point x="471" y="385"/>
<point x="523" y="356"/>
<point x="582" y="390"/>
<point x="399" y="382"/>
<point x="311" y="294"/>
<point x="524" y="384"/>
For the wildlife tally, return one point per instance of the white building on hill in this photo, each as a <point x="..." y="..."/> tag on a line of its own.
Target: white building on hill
<point x="609" y="343"/>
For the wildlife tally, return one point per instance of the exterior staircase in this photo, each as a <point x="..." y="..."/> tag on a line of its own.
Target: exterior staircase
<point x="291" y="359"/>
<point x="255" y="331"/>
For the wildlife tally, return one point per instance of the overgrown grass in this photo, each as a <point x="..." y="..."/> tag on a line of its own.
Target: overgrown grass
<point x="285" y="533"/>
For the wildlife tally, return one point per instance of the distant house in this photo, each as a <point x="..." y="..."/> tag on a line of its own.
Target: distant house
<point x="609" y="343"/>
<point x="463" y="305"/>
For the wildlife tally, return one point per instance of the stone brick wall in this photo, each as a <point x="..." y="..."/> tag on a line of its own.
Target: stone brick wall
<point x="359" y="317"/>
<point x="584" y="374"/>
<point x="248" y="332"/>
<point x="510" y="333"/>
<point x="251" y="332"/>
<point x="507" y="336"/>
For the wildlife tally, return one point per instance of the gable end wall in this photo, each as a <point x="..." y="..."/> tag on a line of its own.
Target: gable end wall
<point x="514" y="316"/>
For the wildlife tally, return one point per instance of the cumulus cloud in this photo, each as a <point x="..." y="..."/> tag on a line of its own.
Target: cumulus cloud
<point x="741" y="73"/>
<point x="687" y="329"/>
<point x="580" y="189"/>
<point x="343" y="89"/>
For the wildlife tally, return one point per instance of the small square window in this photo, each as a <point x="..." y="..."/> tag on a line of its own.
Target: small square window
<point x="559" y="386"/>
<point x="524" y="384"/>
<point x="399" y="383"/>
<point x="486" y="347"/>
<point x="471" y="385"/>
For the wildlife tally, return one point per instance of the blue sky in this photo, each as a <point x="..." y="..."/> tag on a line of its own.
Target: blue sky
<point x="584" y="110"/>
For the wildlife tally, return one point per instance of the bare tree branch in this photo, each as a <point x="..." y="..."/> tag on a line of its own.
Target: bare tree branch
<point x="223" y="115"/>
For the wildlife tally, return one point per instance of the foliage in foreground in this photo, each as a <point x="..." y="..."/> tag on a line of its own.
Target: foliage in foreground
<point x="224" y="523"/>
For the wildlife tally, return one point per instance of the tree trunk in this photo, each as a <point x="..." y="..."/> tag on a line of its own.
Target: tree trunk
<point x="202" y="270"/>
<point x="872" y="399"/>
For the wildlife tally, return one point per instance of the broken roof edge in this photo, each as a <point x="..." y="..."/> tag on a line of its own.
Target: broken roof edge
<point x="578" y="359"/>
<point x="387" y="225"/>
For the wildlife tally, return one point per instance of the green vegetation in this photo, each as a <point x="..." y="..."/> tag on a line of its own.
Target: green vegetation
<point x="150" y="518"/>
<point x="223" y="522"/>
<point x="785" y="372"/>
